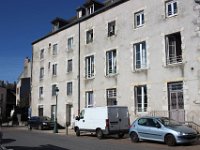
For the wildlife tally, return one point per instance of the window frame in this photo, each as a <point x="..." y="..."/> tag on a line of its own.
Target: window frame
<point x="69" y="88"/>
<point x="42" y="54"/>
<point x="69" y="65"/>
<point x="140" y="63"/>
<point x="111" y="62"/>
<point x="141" y="20"/>
<point x="89" y="98"/>
<point x="140" y="106"/>
<point x="70" y="42"/>
<point x="55" y="49"/>
<point x="111" y="28"/>
<point x="53" y="92"/>
<point x="41" y="92"/>
<point x="89" y="36"/>
<point x="89" y="67"/>
<point x="111" y="95"/>
<point x="41" y="73"/>
<point x="54" y="69"/>
<point x="173" y="49"/>
<point x="172" y="4"/>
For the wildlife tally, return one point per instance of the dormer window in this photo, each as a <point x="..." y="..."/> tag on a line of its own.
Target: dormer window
<point x="90" y="9"/>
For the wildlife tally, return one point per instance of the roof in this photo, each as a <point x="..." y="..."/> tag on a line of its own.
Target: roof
<point x="74" y="20"/>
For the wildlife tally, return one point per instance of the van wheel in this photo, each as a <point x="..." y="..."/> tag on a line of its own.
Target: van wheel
<point x="170" y="140"/>
<point x="99" y="133"/>
<point x="77" y="132"/>
<point x="134" y="137"/>
<point x="120" y="135"/>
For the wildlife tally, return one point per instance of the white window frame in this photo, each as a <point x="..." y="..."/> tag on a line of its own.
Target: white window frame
<point x="54" y="69"/>
<point x="89" y="67"/>
<point x="111" y="96"/>
<point x="69" y="88"/>
<point x="55" y="49"/>
<point x="70" y="42"/>
<point x="140" y="22"/>
<point x="89" y="98"/>
<point x="142" y="108"/>
<point x="89" y="36"/>
<point x="90" y="9"/>
<point x="171" y="4"/>
<point x="142" y="59"/>
<point x="111" y="62"/>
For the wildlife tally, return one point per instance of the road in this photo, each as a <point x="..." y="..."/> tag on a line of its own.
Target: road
<point x="22" y="139"/>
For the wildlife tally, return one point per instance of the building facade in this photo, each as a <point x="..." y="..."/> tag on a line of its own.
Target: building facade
<point x="140" y="54"/>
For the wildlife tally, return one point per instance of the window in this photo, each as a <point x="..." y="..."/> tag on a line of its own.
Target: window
<point x="141" y="98"/>
<point x="111" y="62"/>
<point x="89" y="69"/>
<point x="42" y="54"/>
<point x="111" y="96"/>
<point x="89" y="99"/>
<point x="55" y="49"/>
<point x="54" y="71"/>
<point x="90" y="9"/>
<point x="111" y="28"/>
<point x="140" y="55"/>
<point x="69" y="65"/>
<point x="173" y="48"/>
<point x="139" y="19"/>
<point x="41" y="92"/>
<point x="171" y="8"/>
<point x="54" y="87"/>
<point x="40" y="110"/>
<point x="89" y="36"/>
<point x="42" y="73"/>
<point x="69" y="88"/>
<point x="70" y="43"/>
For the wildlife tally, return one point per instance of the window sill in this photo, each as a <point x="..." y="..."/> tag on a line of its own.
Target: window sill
<point x="174" y="64"/>
<point x="171" y="16"/>
<point x="90" y="78"/>
<point x="111" y="75"/>
<point x="141" y="70"/>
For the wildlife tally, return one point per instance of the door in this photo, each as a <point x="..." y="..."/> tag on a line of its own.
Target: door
<point x="176" y="101"/>
<point x="68" y="114"/>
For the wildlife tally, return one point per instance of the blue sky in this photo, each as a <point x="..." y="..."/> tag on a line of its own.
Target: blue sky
<point x="21" y="23"/>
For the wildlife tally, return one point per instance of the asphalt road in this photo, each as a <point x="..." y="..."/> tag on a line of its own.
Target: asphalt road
<point x="22" y="139"/>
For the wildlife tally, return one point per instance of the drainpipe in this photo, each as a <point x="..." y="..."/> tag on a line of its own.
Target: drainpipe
<point x="79" y="47"/>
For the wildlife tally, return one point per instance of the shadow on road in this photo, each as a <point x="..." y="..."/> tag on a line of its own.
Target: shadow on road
<point x="4" y="141"/>
<point x="42" y="147"/>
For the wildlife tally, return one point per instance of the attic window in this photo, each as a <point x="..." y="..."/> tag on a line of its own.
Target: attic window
<point x="55" y="26"/>
<point x="90" y="9"/>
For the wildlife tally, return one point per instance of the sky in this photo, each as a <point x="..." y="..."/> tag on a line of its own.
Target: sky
<point x="21" y="23"/>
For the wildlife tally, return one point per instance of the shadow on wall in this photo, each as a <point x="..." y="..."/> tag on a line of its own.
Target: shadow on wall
<point x="42" y="147"/>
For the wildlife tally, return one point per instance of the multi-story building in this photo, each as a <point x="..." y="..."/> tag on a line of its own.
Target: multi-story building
<point x="141" y="54"/>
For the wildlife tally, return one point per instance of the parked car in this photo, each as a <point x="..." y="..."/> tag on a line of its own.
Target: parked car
<point x="103" y="121"/>
<point x="40" y="122"/>
<point x="161" y="129"/>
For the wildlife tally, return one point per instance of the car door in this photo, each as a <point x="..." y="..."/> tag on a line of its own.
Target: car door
<point x="143" y="129"/>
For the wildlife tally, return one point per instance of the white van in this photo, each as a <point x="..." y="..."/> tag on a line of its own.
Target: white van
<point x="103" y="121"/>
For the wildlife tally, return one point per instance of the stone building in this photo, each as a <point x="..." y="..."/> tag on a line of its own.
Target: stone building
<point x="140" y="54"/>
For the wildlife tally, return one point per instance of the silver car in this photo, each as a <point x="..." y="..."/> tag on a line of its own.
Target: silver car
<point x="161" y="129"/>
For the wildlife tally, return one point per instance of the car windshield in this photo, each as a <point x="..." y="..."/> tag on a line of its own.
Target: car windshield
<point x="168" y="122"/>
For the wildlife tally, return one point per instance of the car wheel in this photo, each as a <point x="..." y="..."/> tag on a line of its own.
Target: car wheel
<point x="120" y="135"/>
<point x="99" y="133"/>
<point x="170" y="140"/>
<point x="77" y="132"/>
<point x="134" y="137"/>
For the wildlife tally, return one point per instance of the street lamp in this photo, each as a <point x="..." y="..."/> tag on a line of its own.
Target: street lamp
<point x="55" y="119"/>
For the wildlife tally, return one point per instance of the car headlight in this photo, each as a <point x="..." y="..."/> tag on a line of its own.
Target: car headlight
<point x="44" y="123"/>
<point x="182" y="133"/>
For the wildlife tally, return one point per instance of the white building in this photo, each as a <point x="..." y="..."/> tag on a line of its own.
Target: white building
<point x="141" y="54"/>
